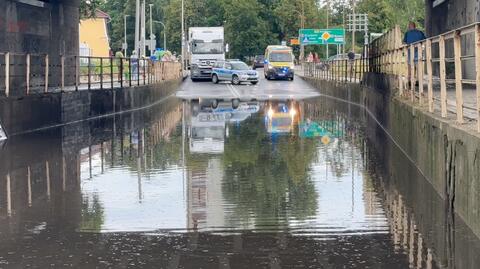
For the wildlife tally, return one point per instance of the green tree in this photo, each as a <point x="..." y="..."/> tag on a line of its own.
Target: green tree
<point x="246" y="32"/>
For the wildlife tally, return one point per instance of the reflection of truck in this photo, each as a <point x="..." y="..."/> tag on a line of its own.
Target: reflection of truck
<point x="207" y="132"/>
<point x="205" y="46"/>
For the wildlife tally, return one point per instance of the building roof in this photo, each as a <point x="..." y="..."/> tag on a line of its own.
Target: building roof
<point x="101" y="14"/>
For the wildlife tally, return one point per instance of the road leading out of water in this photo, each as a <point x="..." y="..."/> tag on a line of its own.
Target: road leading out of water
<point x="280" y="183"/>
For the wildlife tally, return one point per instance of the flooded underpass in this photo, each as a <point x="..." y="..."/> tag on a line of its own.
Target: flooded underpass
<point x="270" y="184"/>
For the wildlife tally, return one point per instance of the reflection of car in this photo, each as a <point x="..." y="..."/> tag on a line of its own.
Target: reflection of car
<point x="281" y="118"/>
<point x="234" y="71"/>
<point x="259" y="61"/>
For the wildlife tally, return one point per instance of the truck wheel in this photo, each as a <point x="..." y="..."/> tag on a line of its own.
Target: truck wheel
<point x="235" y="80"/>
<point x="215" y="79"/>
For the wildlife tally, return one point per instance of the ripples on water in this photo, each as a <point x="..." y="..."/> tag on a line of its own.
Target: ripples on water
<point x="280" y="185"/>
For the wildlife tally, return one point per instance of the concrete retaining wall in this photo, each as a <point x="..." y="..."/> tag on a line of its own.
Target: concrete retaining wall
<point x="447" y="155"/>
<point x="39" y="28"/>
<point x="20" y="115"/>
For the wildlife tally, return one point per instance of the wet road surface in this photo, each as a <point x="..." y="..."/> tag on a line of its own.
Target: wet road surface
<point x="288" y="181"/>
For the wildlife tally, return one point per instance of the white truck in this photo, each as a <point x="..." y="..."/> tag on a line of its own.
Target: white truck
<point x="205" y="46"/>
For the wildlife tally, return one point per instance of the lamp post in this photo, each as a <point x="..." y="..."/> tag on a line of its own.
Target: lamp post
<point x="125" y="45"/>
<point x="164" y="34"/>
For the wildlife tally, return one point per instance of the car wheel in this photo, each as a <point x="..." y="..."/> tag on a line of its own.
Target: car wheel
<point x="291" y="78"/>
<point x="194" y="80"/>
<point x="235" y="80"/>
<point x="214" y="104"/>
<point x="254" y="82"/>
<point x="235" y="103"/>
<point x="215" y="79"/>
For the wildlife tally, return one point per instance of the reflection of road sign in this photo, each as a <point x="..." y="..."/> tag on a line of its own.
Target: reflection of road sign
<point x="322" y="36"/>
<point x="294" y="41"/>
<point x="3" y="136"/>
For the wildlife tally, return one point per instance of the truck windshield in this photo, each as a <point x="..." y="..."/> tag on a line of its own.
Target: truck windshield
<point x="280" y="57"/>
<point x="240" y="66"/>
<point x="202" y="47"/>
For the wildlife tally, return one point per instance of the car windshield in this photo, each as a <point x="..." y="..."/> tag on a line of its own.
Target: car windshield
<point x="202" y="47"/>
<point x="280" y="57"/>
<point x="240" y="66"/>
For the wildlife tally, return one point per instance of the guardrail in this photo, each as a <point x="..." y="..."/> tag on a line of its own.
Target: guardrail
<point x="440" y="63"/>
<point x="39" y="73"/>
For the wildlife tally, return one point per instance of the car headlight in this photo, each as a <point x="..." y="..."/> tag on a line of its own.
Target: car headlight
<point x="270" y="66"/>
<point x="292" y="67"/>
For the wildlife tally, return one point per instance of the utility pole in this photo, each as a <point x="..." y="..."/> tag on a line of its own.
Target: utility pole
<point x="183" y="36"/>
<point x="328" y="24"/>
<point x="302" y="25"/>
<point x="125" y="45"/>
<point x="137" y="26"/>
<point x="354" y="26"/>
<point x="152" y="45"/>
<point x="143" y="29"/>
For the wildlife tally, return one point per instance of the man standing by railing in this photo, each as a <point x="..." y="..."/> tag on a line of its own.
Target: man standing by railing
<point x="411" y="36"/>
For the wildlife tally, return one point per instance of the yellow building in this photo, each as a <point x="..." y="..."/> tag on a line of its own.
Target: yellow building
<point x="94" y="40"/>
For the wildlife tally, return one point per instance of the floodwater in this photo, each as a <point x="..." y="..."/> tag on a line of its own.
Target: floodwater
<point x="276" y="184"/>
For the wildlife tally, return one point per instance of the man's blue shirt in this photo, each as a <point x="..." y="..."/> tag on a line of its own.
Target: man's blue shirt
<point x="412" y="36"/>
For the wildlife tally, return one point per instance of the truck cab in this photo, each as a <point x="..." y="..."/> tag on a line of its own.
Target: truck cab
<point x="206" y="46"/>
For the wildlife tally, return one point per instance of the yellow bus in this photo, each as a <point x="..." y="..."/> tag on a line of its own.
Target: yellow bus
<point x="279" y="63"/>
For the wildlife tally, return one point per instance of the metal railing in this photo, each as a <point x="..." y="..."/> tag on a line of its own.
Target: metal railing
<point x="450" y="61"/>
<point x="24" y="74"/>
<point x="341" y="70"/>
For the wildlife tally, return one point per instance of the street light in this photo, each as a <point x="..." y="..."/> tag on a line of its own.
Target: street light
<point x="125" y="45"/>
<point x="164" y="34"/>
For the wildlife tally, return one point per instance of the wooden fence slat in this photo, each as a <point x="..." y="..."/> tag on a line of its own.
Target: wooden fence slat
<point x="27" y="74"/>
<point x="46" y="72"/>
<point x="7" y="74"/>
<point x="430" y="75"/>
<point x="420" y="73"/>
<point x="477" y="69"/>
<point x="457" y="47"/>
<point x="443" y="76"/>
<point x="412" y="73"/>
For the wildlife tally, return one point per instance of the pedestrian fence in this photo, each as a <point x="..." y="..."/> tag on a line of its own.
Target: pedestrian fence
<point x="24" y="74"/>
<point x="442" y="76"/>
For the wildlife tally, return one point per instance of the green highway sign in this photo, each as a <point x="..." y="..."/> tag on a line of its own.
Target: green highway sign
<point x="322" y="36"/>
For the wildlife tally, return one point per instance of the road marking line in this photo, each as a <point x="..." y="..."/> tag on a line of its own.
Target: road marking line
<point x="235" y="90"/>
<point x="232" y="90"/>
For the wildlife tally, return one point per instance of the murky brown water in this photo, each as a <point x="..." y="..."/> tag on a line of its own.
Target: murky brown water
<point x="280" y="184"/>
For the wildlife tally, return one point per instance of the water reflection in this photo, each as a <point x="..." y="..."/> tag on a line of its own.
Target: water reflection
<point x="289" y="183"/>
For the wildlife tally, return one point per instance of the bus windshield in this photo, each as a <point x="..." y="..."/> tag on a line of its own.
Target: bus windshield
<point x="281" y="57"/>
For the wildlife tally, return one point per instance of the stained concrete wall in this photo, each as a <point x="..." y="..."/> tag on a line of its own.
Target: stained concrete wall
<point x="450" y="15"/>
<point x="42" y="27"/>
<point x="447" y="155"/>
<point x="24" y="114"/>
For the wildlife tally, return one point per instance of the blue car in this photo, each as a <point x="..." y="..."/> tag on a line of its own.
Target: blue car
<point x="234" y="71"/>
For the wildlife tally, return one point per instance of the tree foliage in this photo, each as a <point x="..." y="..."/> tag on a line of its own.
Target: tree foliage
<point x="253" y="24"/>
